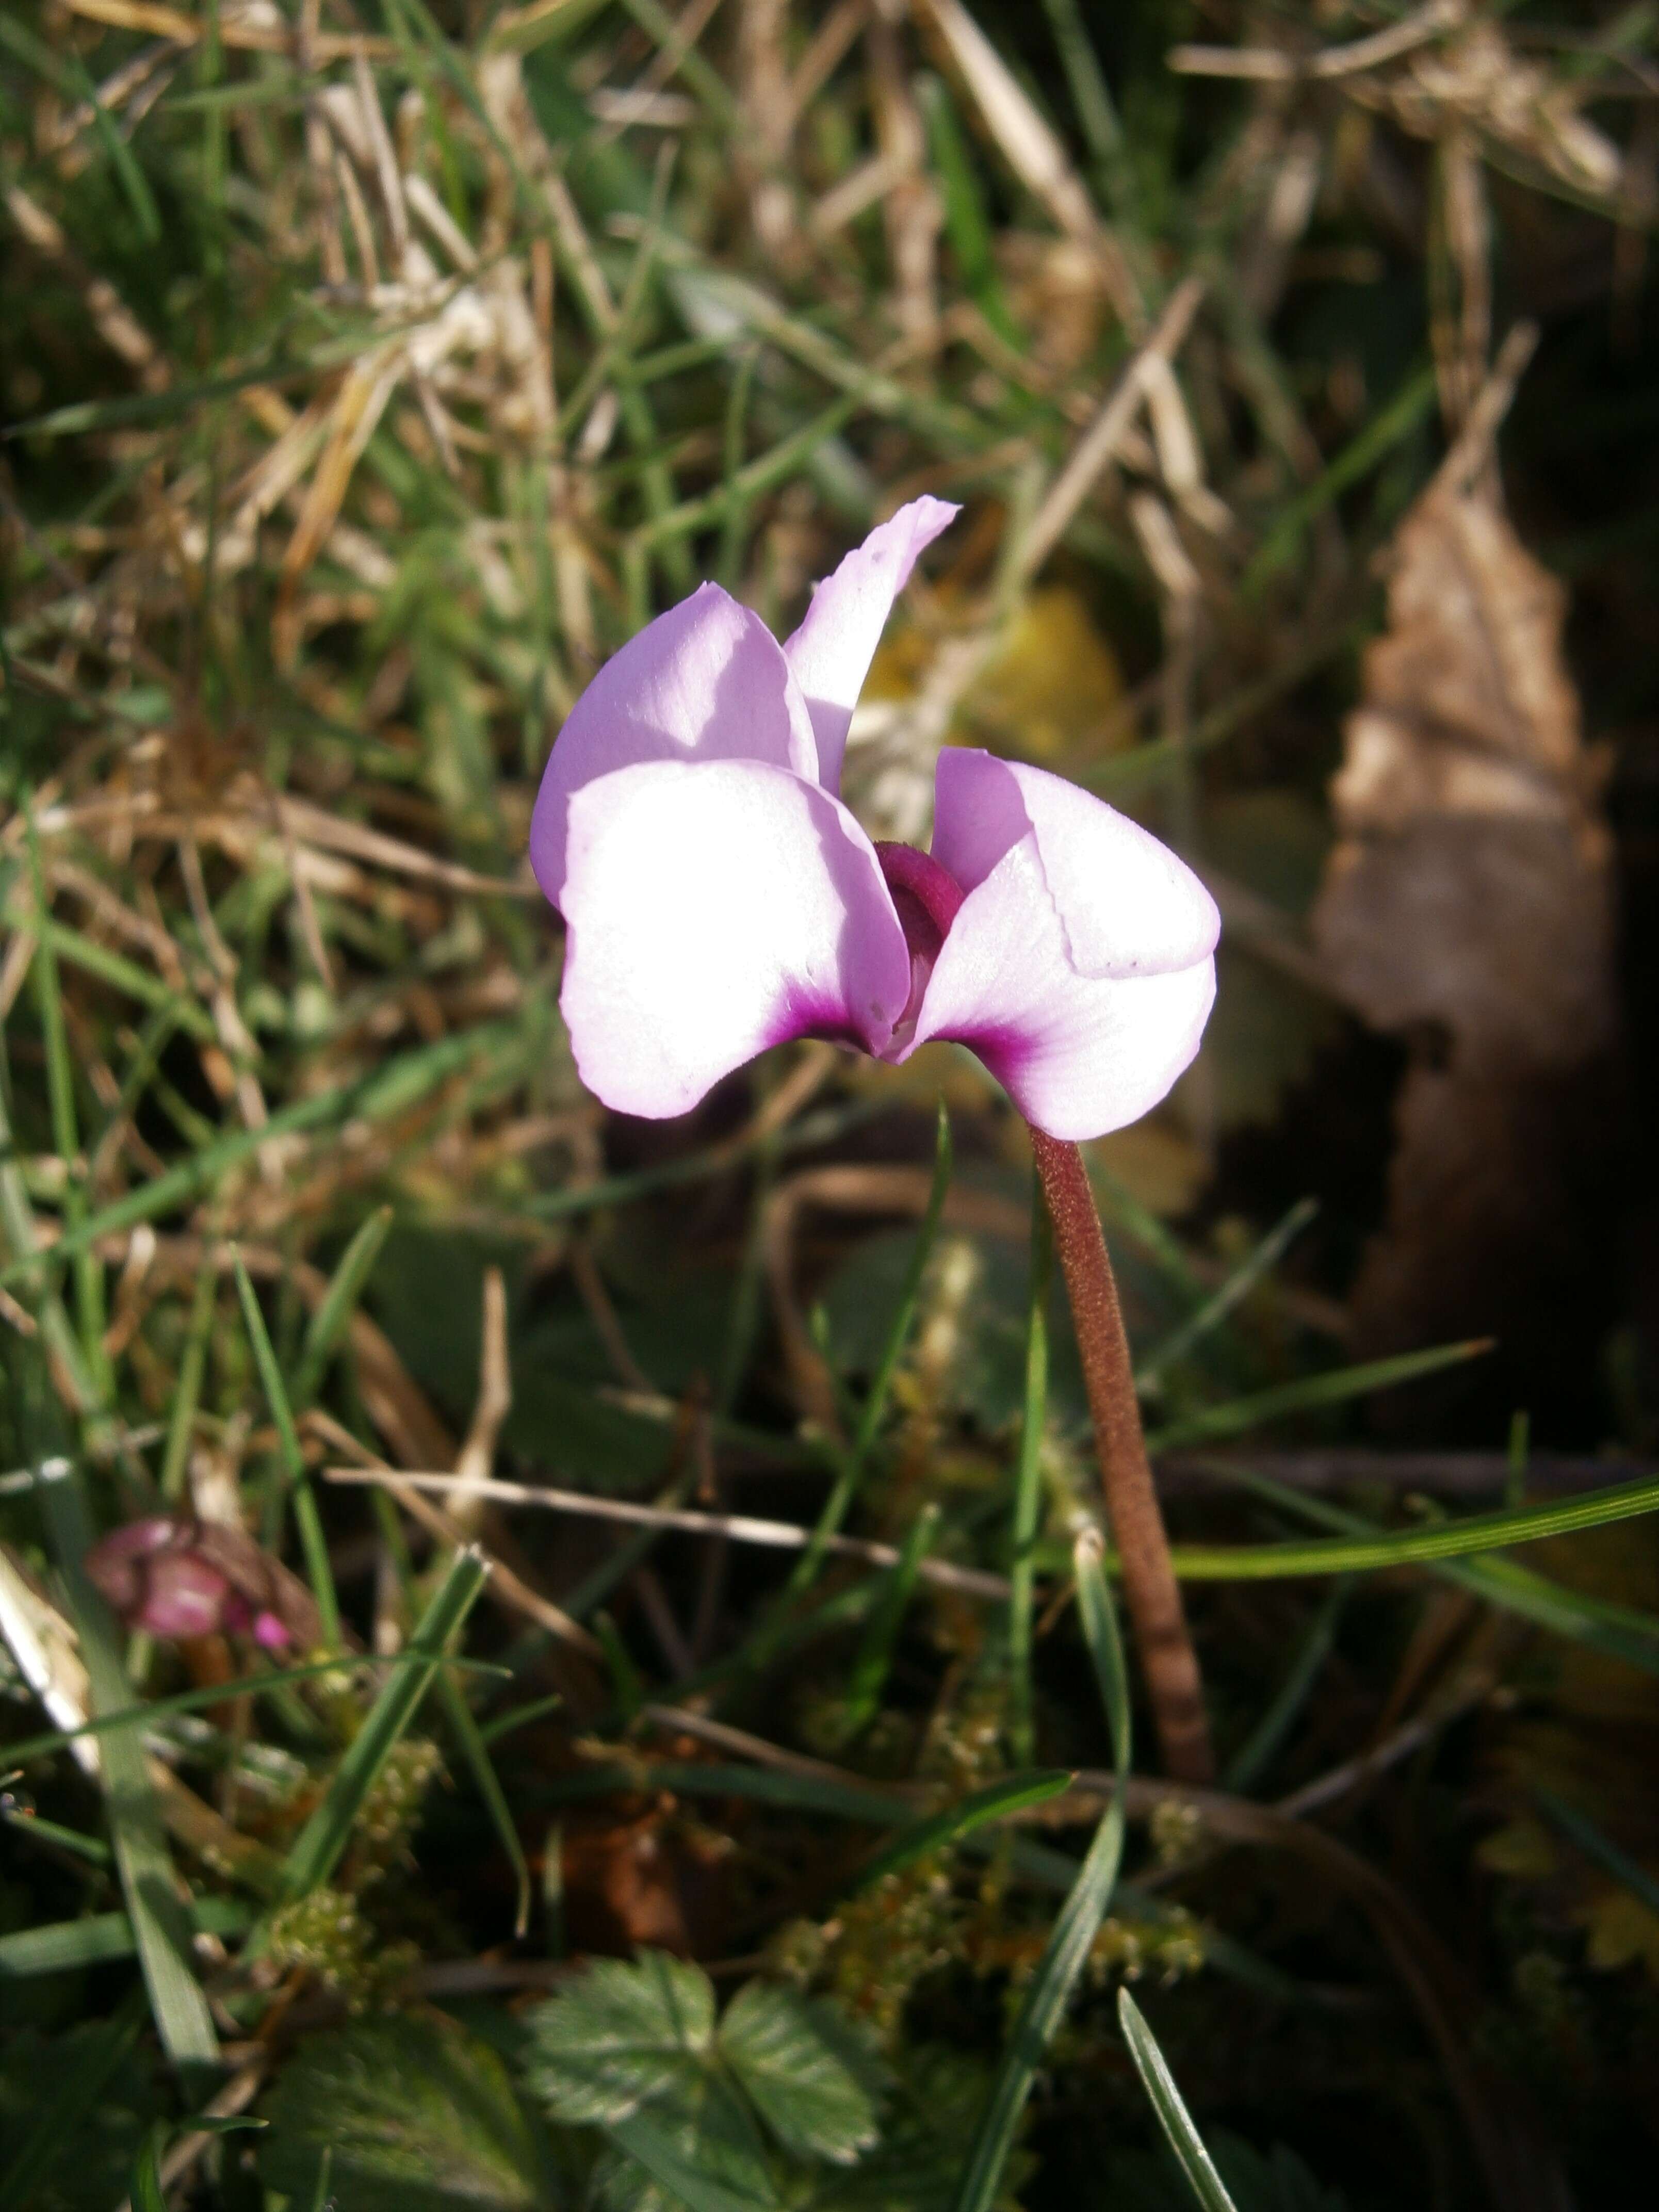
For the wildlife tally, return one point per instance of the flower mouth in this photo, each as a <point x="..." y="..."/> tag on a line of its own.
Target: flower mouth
<point x="925" y="897"/>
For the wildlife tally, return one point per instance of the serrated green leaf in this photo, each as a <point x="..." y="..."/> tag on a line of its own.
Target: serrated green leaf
<point x="937" y="2102"/>
<point x="417" y="2116"/>
<point x="623" y="2034"/>
<point x="790" y="2057"/>
<point x="704" y="2154"/>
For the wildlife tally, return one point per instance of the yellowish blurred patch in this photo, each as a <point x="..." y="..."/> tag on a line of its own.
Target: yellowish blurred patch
<point x="1158" y="1163"/>
<point x="1053" y="690"/>
<point x="1525" y="1848"/>
<point x="935" y="1071"/>
<point x="1621" y="1931"/>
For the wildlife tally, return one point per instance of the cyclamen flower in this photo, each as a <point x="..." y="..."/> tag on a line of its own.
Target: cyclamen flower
<point x="720" y="898"/>
<point x="175" y="1577"/>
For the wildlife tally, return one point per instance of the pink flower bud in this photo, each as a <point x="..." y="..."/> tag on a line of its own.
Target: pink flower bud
<point x="174" y="1577"/>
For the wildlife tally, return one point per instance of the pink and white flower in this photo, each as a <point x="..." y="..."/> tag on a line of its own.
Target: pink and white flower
<point x="720" y="898"/>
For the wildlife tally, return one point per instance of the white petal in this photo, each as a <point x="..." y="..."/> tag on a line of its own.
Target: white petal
<point x="715" y="909"/>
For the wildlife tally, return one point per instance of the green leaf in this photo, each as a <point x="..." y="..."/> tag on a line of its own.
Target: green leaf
<point x="418" y="2116"/>
<point x="1173" y="2117"/>
<point x="625" y="2033"/>
<point x="704" y="2152"/>
<point x="73" y="2110"/>
<point x="939" y="2096"/>
<point x="792" y="2059"/>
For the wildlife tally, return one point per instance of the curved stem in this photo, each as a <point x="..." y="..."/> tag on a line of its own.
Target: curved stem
<point x="1150" y="1588"/>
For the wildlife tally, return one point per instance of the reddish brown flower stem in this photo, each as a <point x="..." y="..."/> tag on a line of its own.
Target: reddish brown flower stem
<point x="1150" y="1588"/>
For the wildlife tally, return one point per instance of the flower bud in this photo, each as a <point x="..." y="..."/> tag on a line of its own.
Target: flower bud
<point x="175" y="1577"/>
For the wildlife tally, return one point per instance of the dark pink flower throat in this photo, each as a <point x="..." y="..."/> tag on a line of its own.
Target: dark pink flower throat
<point x="925" y="897"/>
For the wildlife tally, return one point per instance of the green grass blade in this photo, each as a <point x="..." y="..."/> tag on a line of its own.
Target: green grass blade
<point x="847" y="1482"/>
<point x="1275" y="1724"/>
<point x="126" y="976"/>
<point x="277" y="1680"/>
<point x="1238" y="1285"/>
<point x="1027" y="1483"/>
<point x="941" y="1830"/>
<point x="161" y="1924"/>
<point x="967" y="223"/>
<point x="333" y="1316"/>
<point x="1098" y="1615"/>
<point x="1447" y="1540"/>
<point x="464" y="1727"/>
<point x="139" y="197"/>
<point x="875" y="1655"/>
<point x="1622" y="1631"/>
<point x="66" y="1946"/>
<point x="88" y="1271"/>
<point x="394" y="1088"/>
<point x="1078" y="1922"/>
<point x="187" y="1391"/>
<point x="17" y="1220"/>
<point x="146" y="2193"/>
<point x="315" y="1852"/>
<point x="1392" y="422"/>
<point x="1173" y="2117"/>
<point x="307" y="1518"/>
<point x="1580" y="1829"/>
<point x="1239" y="1415"/>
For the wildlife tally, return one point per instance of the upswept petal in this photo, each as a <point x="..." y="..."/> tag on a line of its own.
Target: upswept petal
<point x="1128" y="905"/>
<point x="1079" y="966"/>
<point x="707" y="681"/>
<point x="715" y="909"/>
<point x="831" y="652"/>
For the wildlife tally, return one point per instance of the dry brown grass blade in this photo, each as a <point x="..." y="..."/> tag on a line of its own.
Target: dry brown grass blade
<point x="508" y="1589"/>
<point x="1032" y="150"/>
<point x="1274" y="65"/>
<point x="362" y="401"/>
<point x="111" y="317"/>
<point x="1100" y="443"/>
<point x="186" y="30"/>
<point x="738" y="1528"/>
<point x="476" y="1458"/>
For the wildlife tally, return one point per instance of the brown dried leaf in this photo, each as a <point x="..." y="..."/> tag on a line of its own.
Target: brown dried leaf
<point x="1469" y="886"/>
<point x="1467" y="907"/>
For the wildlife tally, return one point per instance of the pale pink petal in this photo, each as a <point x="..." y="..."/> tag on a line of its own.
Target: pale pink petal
<point x="715" y="910"/>
<point x="1128" y="905"/>
<point x="1079" y="967"/>
<point x="831" y="652"/>
<point x="707" y="681"/>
